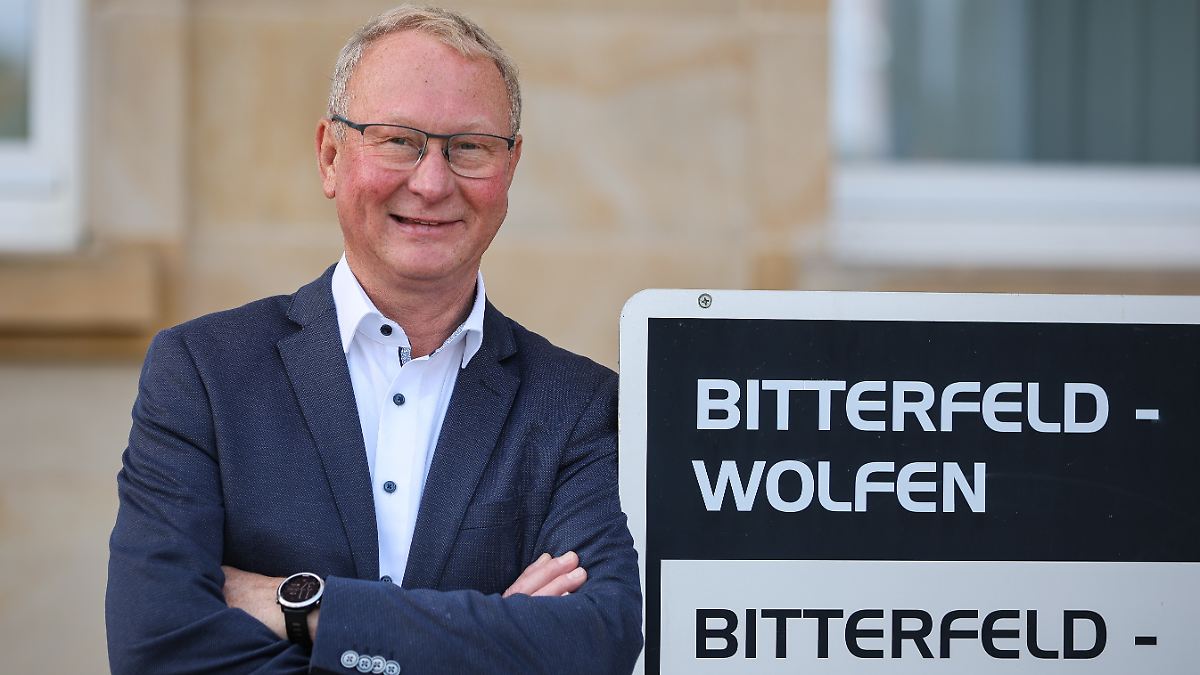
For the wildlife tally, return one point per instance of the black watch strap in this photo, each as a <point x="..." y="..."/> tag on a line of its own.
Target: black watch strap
<point x="296" y="621"/>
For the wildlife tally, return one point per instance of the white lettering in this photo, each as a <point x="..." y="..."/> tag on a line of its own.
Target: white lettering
<point x="752" y="405"/>
<point x="992" y="405"/>
<point x="824" y="389"/>
<point x="855" y="405"/>
<point x="706" y="405"/>
<point x="919" y="409"/>
<point x="906" y="486"/>
<point x="783" y="390"/>
<point x="728" y="477"/>
<point x="951" y="406"/>
<point x="806" y="486"/>
<point x="863" y="483"/>
<point x="1035" y="416"/>
<point x="872" y="477"/>
<point x="1001" y="405"/>
<point x="1071" y="392"/>
<point x="828" y="502"/>
<point x="975" y="495"/>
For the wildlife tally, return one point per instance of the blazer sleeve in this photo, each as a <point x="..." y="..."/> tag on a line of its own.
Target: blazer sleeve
<point x="597" y="629"/>
<point x="164" y="608"/>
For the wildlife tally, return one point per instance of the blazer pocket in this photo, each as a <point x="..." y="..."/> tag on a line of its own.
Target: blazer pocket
<point x="491" y="514"/>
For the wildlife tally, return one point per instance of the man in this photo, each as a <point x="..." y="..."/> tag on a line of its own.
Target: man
<point x="384" y="432"/>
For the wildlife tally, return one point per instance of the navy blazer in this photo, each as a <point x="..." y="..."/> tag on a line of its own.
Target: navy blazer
<point x="246" y="450"/>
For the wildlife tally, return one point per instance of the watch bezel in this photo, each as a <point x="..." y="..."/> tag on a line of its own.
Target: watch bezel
<point x="303" y="604"/>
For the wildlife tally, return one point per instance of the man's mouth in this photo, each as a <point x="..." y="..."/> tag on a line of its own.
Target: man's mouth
<point x="405" y="220"/>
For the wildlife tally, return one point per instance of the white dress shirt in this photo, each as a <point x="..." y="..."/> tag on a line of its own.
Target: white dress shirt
<point x="401" y="404"/>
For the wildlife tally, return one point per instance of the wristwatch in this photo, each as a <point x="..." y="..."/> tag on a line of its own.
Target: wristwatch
<point x="298" y="595"/>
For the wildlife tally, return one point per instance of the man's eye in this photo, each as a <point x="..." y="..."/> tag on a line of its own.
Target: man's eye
<point x="401" y="141"/>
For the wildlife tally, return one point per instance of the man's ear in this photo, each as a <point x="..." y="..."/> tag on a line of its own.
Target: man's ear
<point x="327" y="149"/>
<point x="516" y="157"/>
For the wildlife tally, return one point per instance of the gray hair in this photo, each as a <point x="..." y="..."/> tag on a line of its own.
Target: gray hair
<point x="450" y="27"/>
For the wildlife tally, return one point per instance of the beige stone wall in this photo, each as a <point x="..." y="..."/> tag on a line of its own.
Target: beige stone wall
<point x="64" y="426"/>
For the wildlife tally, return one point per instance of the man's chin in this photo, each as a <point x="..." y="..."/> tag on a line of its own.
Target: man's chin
<point x="430" y="272"/>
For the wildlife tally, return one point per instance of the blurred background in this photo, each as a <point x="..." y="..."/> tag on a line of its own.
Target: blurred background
<point x="156" y="163"/>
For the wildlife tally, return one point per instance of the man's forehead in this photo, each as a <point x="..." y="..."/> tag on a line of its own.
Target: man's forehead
<point x="414" y="69"/>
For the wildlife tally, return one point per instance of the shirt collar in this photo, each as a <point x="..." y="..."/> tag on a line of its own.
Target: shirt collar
<point x="355" y="310"/>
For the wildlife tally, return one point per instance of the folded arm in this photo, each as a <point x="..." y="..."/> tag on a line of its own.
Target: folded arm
<point x="255" y="594"/>
<point x="164" y="608"/>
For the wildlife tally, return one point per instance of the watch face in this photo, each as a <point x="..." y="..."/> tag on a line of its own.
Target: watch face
<point x="300" y="589"/>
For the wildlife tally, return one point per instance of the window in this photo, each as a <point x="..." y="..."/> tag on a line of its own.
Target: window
<point x="1021" y="133"/>
<point x="40" y="141"/>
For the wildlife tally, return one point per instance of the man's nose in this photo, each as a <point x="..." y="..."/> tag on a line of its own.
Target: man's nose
<point x="432" y="178"/>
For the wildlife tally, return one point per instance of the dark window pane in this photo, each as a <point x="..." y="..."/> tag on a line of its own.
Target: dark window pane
<point x="1074" y="81"/>
<point x="15" y="28"/>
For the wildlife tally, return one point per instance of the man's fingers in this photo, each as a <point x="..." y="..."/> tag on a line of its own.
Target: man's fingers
<point x="542" y="572"/>
<point x="525" y="582"/>
<point x="563" y="584"/>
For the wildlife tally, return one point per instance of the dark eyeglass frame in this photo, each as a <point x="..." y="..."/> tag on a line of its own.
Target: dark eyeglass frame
<point x="362" y="129"/>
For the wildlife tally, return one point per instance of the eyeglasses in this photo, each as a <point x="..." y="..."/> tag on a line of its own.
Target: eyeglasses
<point x="400" y="147"/>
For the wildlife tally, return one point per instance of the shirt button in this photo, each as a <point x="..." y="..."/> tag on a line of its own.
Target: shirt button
<point x="385" y="579"/>
<point x="389" y="487"/>
<point x="398" y="399"/>
<point x="385" y="329"/>
<point x="349" y="658"/>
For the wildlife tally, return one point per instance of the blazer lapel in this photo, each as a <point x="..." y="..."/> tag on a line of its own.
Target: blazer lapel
<point x="479" y="406"/>
<point x="316" y="365"/>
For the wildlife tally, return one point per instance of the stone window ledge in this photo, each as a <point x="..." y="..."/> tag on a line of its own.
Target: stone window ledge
<point x="102" y="303"/>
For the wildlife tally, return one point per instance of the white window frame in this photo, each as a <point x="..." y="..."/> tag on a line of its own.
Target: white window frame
<point x="1017" y="216"/>
<point x="966" y="214"/>
<point x="41" y="206"/>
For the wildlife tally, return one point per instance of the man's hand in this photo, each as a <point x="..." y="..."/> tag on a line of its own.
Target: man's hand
<point x="550" y="576"/>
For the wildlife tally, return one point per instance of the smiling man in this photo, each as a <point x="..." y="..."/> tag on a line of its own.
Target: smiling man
<point x="380" y="473"/>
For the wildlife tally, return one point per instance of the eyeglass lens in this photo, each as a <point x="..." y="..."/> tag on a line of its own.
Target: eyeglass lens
<point x="469" y="155"/>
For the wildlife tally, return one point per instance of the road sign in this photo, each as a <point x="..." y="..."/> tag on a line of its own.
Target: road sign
<point x="913" y="483"/>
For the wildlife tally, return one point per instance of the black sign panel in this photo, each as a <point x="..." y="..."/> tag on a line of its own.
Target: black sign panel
<point x="1124" y="492"/>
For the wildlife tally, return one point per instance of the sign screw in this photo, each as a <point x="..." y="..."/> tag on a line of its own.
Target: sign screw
<point x="705" y="301"/>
